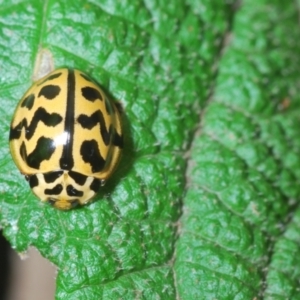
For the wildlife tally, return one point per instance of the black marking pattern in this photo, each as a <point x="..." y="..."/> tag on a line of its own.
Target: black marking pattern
<point x="43" y="151"/>
<point x="66" y="161"/>
<point x="89" y="122"/>
<point x="91" y="94"/>
<point x="54" y="191"/>
<point x="71" y="191"/>
<point x="45" y="146"/>
<point x="95" y="185"/>
<point x="77" y="177"/>
<point x="90" y="154"/>
<point x="52" y="176"/>
<point x="33" y="181"/>
<point x="50" y="91"/>
<point x="51" y="77"/>
<point x="28" y="101"/>
<point x="118" y="140"/>
<point x="15" y="132"/>
<point x="41" y="115"/>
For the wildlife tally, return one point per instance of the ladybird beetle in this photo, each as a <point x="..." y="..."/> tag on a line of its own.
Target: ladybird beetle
<point x="66" y="138"/>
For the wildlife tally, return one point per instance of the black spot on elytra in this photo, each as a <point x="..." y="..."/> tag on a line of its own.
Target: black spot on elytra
<point x="15" y="132"/>
<point x="95" y="185"/>
<point x="49" y="91"/>
<point x="33" y="181"/>
<point x="52" y="176"/>
<point x="28" y="101"/>
<point x="54" y="191"/>
<point x="118" y="140"/>
<point x="71" y="191"/>
<point x="41" y="115"/>
<point x="91" y="94"/>
<point x="90" y="154"/>
<point x="89" y="122"/>
<point x="23" y="152"/>
<point x="43" y="151"/>
<point x="51" y="77"/>
<point x="77" y="177"/>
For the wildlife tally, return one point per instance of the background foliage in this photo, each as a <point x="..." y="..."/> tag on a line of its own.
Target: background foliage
<point x="205" y="202"/>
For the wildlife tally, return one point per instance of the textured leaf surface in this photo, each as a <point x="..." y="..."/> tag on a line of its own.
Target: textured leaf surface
<point x="162" y="61"/>
<point x="237" y="241"/>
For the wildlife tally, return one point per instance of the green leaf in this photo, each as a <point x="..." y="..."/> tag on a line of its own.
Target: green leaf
<point x="237" y="240"/>
<point x="202" y="205"/>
